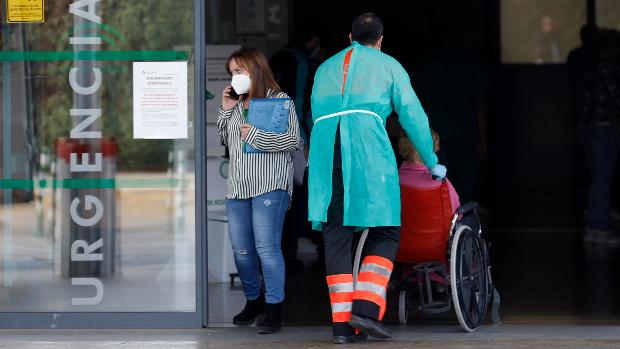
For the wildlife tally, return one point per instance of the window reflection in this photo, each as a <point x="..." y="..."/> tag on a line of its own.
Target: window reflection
<point x="540" y="31"/>
<point x="608" y="14"/>
<point x="142" y="248"/>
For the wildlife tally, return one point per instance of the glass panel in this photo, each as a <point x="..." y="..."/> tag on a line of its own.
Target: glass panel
<point x="118" y="236"/>
<point x="540" y="31"/>
<point x="608" y="14"/>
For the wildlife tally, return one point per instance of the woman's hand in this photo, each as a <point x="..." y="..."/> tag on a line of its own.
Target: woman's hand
<point x="228" y="102"/>
<point x="245" y="129"/>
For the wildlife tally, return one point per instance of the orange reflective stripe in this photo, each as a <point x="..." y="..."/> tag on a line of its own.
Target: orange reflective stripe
<point x="384" y="262"/>
<point x="345" y="68"/>
<point x="371" y="297"/>
<point x="339" y="279"/>
<point x="373" y="277"/>
<point x="344" y="316"/>
<point x="340" y="300"/>
<point x="341" y="297"/>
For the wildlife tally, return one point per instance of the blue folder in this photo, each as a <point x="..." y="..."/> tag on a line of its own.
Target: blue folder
<point x="270" y="115"/>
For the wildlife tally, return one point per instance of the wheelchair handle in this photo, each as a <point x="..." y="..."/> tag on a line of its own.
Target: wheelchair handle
<point x="467" y="207"/>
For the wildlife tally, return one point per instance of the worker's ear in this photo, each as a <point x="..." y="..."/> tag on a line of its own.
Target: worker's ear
<point x="351" y="38"/>
<point x="379" y="43"/>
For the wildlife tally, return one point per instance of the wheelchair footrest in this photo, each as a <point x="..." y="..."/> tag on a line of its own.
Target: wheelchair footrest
<point x="427" y="275"/>
<point x="435" y="308"/>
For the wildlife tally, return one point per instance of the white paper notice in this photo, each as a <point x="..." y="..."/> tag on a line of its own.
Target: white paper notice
<point x="160" y="100"/>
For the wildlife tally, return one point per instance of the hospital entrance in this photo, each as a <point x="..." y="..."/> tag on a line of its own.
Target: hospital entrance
<point x="110" y="218"/>
<point x="509" y="58"/>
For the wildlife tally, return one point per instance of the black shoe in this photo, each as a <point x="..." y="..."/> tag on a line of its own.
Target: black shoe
<point x="361" y="336"/>
<point x="273" y="320"/>
<point x="373" y="327"/>
<point x="250" y="311"/>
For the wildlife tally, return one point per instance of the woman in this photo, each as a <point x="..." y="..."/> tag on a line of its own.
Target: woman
<point x="259" y="186"/>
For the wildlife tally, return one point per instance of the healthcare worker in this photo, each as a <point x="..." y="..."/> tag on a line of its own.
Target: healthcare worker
<point x="353" y="177"/>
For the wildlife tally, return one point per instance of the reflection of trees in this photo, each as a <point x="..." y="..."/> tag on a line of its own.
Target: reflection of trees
<point x="51" y="96"/>
<point x="128" y="25"/>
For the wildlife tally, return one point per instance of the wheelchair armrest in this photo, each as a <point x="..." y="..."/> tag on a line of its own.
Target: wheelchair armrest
<point x="467" y="207"/>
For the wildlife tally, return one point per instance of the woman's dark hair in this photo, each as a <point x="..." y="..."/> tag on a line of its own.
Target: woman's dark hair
<point x="367" y="29"/>
<point x="256" y="64"/>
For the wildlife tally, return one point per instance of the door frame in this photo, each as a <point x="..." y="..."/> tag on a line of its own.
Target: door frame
<point x="196" y="319"/>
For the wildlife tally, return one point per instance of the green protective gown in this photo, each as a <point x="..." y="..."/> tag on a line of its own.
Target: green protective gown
<point x="376" y="84"/>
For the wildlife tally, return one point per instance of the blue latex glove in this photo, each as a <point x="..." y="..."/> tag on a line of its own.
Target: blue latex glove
<point x="438" y="172"/>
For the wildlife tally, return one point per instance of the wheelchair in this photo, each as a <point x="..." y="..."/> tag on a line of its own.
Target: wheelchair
<point x="444" y="259"/>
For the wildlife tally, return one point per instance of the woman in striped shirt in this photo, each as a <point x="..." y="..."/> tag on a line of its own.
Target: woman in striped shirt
<point x="259" y="186"/>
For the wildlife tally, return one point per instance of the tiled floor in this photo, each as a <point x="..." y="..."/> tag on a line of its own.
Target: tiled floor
<point x="435" y="337"/>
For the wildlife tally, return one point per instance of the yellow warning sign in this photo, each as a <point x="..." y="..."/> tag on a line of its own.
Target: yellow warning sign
<point x="20" y="11"/>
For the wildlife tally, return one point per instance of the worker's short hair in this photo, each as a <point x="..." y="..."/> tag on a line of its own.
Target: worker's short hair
<point x="367" y="29"/>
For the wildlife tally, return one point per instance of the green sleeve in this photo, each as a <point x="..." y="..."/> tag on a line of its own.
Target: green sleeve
<point x="412" y="116"/>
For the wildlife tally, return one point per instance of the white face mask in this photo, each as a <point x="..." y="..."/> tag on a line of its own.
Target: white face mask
<point x="241" y="83"/>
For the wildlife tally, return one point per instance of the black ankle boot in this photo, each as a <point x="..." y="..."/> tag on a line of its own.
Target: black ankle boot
<point x="250" y="311"/>
<point x="273" y="321"/>
<point x="358" y="337"/>
<point x="345" y="334"/>
<point x="371" y="326"/>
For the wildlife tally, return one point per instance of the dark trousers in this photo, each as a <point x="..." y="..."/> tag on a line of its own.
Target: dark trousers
<point x="601" y="146"/>
<point x="340" y="244"/>
<point x="295" y="225"/>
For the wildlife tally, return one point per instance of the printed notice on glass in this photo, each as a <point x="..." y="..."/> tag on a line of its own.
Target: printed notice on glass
<point x="160" y="100"/>
<point x="25" y="11"/>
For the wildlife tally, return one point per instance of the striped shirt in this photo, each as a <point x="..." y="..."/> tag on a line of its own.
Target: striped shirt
<point x="254" y="174"/>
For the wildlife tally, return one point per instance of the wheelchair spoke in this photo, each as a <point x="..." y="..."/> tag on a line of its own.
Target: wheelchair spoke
<point x="481" y="298"/>
<point x="466" y="292"/>
<point x="466" y="256"/>
<point x="474" y="306"/>
<point x="470" y="263"/>
<point x="470" y="278"/>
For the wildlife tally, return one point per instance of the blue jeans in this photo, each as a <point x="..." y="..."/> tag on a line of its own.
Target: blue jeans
<point x="255" y="229"/>
<point x="601" y="146"/>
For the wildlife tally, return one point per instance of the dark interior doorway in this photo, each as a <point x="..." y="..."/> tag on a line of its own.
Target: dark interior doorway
<point x="529" y="184"/>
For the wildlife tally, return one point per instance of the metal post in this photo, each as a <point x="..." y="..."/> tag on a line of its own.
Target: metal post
<point x="7" y="157"/>
<point x="200" y="117"/>
<point x="180" y="232"/>
<point x="591" y="11"/>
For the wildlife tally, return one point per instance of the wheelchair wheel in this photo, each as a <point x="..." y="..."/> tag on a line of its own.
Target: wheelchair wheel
<point x="469" y="278"/>
<point x="403" y="306"/>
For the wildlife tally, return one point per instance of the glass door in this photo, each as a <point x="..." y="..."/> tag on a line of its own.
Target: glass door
<point x="100" y="156"/>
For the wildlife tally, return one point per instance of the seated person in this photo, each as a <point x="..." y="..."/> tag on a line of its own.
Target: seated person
<point x="425" y="217"/>
<point x="413" y="172"/>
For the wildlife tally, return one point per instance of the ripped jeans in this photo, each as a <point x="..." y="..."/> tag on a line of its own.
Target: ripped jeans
<point x="255" y="229"/>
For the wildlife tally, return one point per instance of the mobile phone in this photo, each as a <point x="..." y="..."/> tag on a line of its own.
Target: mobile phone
<point x="233" y="94"/>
